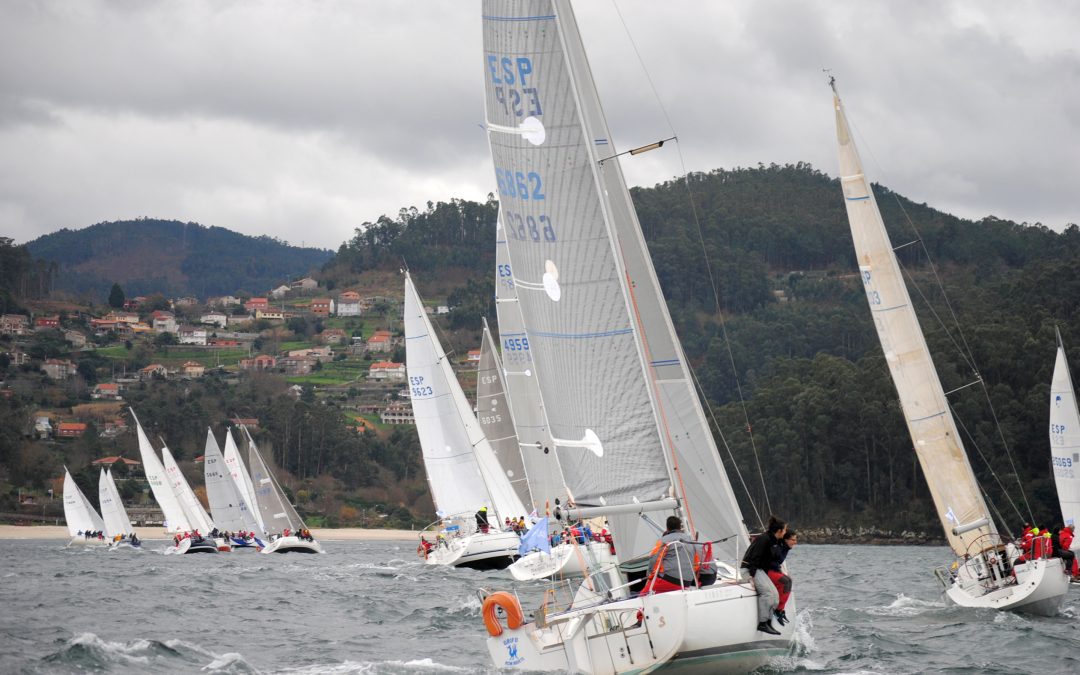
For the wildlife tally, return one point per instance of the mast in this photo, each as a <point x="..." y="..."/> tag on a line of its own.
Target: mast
<point x="937" y="443"/>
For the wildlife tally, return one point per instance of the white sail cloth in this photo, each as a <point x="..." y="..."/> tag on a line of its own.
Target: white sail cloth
<point x="176" y="520"/>
<point x="79" y="514"/>
<point x="1065" y="439"/>
<point x="112" y="508"/>
<point x="242" y="480"/>
<point x="230" y="510"/>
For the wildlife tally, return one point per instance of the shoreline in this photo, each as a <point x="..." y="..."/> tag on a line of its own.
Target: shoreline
<point x="17" y="532"/>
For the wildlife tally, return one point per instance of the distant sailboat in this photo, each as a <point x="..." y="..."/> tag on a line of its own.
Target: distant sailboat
<point x="242" y="479"/>
<point x="463" y="472"/>
<point x="282" y="524"/>
<point x="983" y="574"/>
<point x="230" y="509"/>
<point x="118" y="527"/>
<point x="1065" y="441"/>
<point x="80" y="516"/>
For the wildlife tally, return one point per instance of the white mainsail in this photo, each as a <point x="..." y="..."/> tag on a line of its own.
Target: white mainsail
<point x="1065" y="438"/>
<point x="496" y="421"/>
<point x="175" y="518"/>
<point x="193" y="509"/>
<point x="462" y="470"/>
<point x="79" y="514"/>
<point x="933" y="431"/>
<point x="627" y="423"/>
<point x="242" y="479"/>
<point x="546" y="484"/>
<point x="112" y="508"/>
<point x="229" y="508"/>
<point x="277" y="513"/>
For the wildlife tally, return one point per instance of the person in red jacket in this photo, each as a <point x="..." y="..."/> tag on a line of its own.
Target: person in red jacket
<point x="1065" y="540"/>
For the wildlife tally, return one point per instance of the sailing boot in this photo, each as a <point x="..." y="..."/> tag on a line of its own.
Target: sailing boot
<point x="767" y="627"/>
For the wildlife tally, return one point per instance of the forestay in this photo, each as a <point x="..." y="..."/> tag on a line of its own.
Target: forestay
<point x="175" y="518"/>
<point x="612" y="377"/>
<point x="229" y="508"/>
<point x="193" y="509"/>
<point x="242" y="479"/>
<point x="463" y="473"/>
<point x="112" y="509"/>
<point x="933" y="431"/>
<point x="79" y="515"/>
<point x="495" y="417"/>
<point x="1065" y="439"/>
<point x="546" y="484"/>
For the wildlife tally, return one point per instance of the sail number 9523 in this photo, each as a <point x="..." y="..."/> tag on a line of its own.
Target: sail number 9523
<point x="419" y="389"/>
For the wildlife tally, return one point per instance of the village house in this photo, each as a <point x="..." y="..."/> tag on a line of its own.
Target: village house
<point x="164" y="322"/>
<point x="70" y="429"/>
<point x="13" y="324"/>
<point x="77" y="339"/>
<point x="270" y="314"/>
<point x="132" y="304"/>
<point x="386" y="370"/>
<point x="47" y="322"/>
<point x="297" y="365"/>
<point x="333" y="336"/>
<point x="224" y="301"/>
<point x="215" y="318"/>
<point x="380" y="341"/>
<point x="238" y="319"/>
<point x="107" y="390"/>
<point x="121" y="317"/>
<point x="260" y="362"/>
<point x="442" y="309"/>
<point x="305" y="284"/>
<point x="186" y="301"/>
<point x="115" y="427"/>
<point x="58" y="369"/>
<point x="473" y="356"/>
<point x="280" y="292"/>
<point x="18" y="357"/>
<point x="397" y="413"/>
<point x="252" y="422"/>
<point x="192" y="369"/>
<point x="42" y="427"/>
<point x="255" y="304"/>
<point x="223" y="343"/>
<point x="322" y="306"/>
<point x="348" y="304"/>
<point x="154" y="370"/>
<point x="191" y="335"/>
<point x="317" y="353"/>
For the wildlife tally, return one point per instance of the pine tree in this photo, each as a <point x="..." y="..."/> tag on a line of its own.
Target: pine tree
<point x="116" y="296"/>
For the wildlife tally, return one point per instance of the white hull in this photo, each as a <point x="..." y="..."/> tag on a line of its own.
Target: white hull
<point x="192" y="546"/>
<point x="709" y="630"/>
<point x="493" y="551"/>
<point x="292" y="544"/>
<point x="566" y="561"/>
<point x="1040" y="588"/>
<point x="223" y="545"/>
<point x="83" y="541"/>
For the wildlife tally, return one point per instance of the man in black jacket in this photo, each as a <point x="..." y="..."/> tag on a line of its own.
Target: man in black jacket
<point x="758" y="560"/>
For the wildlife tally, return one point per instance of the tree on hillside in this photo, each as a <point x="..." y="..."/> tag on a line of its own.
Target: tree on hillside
<point x="116" y="296"/>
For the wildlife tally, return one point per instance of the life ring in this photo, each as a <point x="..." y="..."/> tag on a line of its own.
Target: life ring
<point x="515" y="618"/>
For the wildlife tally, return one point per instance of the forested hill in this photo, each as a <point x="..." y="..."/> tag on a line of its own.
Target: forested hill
<point x="822" y="410"/>
<point x="169" y="257"/>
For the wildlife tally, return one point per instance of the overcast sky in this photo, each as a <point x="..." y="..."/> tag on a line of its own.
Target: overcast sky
<point x="302" y="120"/>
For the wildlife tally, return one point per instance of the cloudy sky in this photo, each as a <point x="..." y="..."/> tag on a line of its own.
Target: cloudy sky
<point x="302" y="120"/>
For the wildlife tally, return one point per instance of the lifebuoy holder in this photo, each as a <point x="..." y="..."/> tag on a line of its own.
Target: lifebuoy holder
<point x="508" y="603"/>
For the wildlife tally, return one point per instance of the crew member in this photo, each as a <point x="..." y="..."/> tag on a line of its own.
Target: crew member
<point x="757" y="561"/>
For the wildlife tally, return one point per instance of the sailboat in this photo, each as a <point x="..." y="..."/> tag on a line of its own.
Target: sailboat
<point x="463" y="472"/>
<point x="514" y="385"/>
<point x="242" y="480"/>
<point x="1065" y="440"/>
<point x="80" y="516"/>
<point x="176" y="517"/>
<point x="231" y="510"/>
<point x="983" y="574"/>
<point x="118" y="527"/>
<point x="618" y="402"/>
<point x="281" y="523"/>
<point x="196" y="515"/>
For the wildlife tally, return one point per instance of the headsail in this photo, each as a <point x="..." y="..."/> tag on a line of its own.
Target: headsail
<point x="78" y="512"/>
<point x="242" y="479"/>
<point x="193" y="509"/>
<point x="175" y="518"/>
<point x="277" y="513"/>
<point x="229" y="508"/>
<point x="1065" y="439"/>
<point x="495" y="417"/>
<point x="112" y="508"/>
<point x="926" y="411"/>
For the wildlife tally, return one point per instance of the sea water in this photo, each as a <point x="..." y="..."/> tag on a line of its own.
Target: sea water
<point x="374" y="608"/>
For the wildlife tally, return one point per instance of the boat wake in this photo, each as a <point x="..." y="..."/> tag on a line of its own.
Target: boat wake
<point x="905" y="606"/>
<point x="379" y="668"/>
<point x="88" y="652"/>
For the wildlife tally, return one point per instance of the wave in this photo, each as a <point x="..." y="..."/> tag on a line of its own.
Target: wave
<point x="906" y="606"/>
<point x="380" y="668"/>
<point x="89" y="652"/>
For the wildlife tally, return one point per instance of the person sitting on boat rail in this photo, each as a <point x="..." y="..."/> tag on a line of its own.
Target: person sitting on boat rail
<point x="776" y="573"/>
<point x="671" y="560"/>
<point x="757" y="561"/>
<point x="482" y="520"/>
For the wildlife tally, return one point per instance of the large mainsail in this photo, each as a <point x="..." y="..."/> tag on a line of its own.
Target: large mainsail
<point x="175" y="518"/>
<point x="79" y="514"/>
<point x="933" y="431"/>
<point x="229" y="508"/>
<point x="627" y="424"/>
<point x="495" y="418"/>
<point x="546" y="484"/>
<point x="193" y="509"/>
<point x="242" y="479"/>
<point x="463" y="473"/>
<point x="277" y="513"/>
<point x="1065" y="439"/>
<point x="112" y="509"/>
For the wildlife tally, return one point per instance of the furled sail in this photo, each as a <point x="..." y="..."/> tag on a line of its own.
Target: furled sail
<point x="463" y="472"/>
<point x="112" y="508"/>
<point x="1065" y="439"/>
<point x="229" y="508"/>
<point x="175" y="518"/>
<point x="79" y="514"/>
<point x="933" y="431"/>
<point x="495" y="418"/>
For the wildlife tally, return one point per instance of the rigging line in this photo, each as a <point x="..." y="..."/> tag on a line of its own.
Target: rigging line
<point x="975" y="444"/>
<point x="997" y="512"/>
<point x="708" y="265"/>
<point x="1001" y="435"/>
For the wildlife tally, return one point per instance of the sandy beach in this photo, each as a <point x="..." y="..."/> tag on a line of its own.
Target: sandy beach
<point x="149" y="533"/>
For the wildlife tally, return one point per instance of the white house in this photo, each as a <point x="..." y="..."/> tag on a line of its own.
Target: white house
<point x="191" y="335"/>
<point x="280" y="291"/>
<point x="215" y="318"/>
<point x="386" y="370"/>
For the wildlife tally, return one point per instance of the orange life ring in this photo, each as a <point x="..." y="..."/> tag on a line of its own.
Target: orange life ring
<point x="515" y="618"/>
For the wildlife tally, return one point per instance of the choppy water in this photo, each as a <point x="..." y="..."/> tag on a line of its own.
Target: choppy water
<point x="372" y="608"/>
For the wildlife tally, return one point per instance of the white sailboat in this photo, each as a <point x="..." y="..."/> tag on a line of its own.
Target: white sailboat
<point x="282" y="524"/>
<point x="983" y="574"/>
<point x="80" y="516"/>
<point x="196" y="515"/>
<point x="462" y="470"/>
<point x="623" y="417"/>
<point x="176" y="518"/>
<point x="231" y="511"/>
<point x="242" y="479"/>
<point x="1065" y="441"/>
<point x="118" y="527"/>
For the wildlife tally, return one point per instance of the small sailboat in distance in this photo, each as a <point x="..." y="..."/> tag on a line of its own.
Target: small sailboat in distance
<point x="986" y="573"/>
<point x="230" y="509"/>
<point x="118" y="527"/>
<point x="283" y="525"/>
<point x="84" y="524"/>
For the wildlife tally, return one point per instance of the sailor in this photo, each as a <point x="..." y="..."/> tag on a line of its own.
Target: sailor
<point x="1065" y="540"/>
<point x="776" y="573"/>
<point x="482" y="520"/>
<point x="671" y="560"/>
<point x="757" y="561"/>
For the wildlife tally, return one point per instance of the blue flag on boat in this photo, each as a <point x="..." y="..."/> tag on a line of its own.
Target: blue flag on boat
<point x="536" y="539"/>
